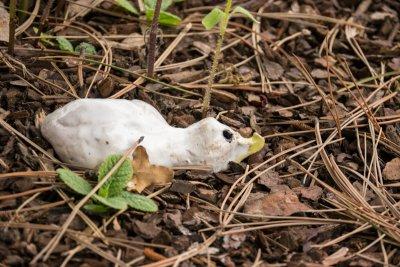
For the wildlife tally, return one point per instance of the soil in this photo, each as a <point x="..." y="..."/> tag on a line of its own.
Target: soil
<point x="318" y="79"/>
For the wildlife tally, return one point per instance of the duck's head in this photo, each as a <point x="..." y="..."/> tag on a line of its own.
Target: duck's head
<point x="216" y="144"/>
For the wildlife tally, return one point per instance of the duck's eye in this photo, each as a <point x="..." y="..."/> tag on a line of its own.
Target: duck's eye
<point x="227" y="135"/>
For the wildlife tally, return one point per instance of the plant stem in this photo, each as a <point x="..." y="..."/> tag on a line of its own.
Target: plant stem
<point x="44" y="18"/>
<point x="12" y="22"/>
<point x="152" y="40"/>
<point x="217" y="54"/>
<point x="23" y="7"/>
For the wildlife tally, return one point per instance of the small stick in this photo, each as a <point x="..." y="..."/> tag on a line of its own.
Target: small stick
<point x="11" y="37"/>
<point x="152" y="40"/>
<point x="44" y="18"/>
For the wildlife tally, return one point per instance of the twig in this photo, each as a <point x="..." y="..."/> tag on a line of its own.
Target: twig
<point x="152" y="40"/>
<point x="11" y="37"/>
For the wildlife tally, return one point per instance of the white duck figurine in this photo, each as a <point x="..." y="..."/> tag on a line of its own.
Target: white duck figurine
<point x="85" y="131"/>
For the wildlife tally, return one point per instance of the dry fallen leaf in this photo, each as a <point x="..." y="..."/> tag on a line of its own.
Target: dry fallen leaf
<point x="146" y="174"/>
<point x="182" y="76"/>
<point x="4" y="24"/>
<point x="133" y="42"/>
<point x="280" y="203"/>
<point x="313" y="192"/>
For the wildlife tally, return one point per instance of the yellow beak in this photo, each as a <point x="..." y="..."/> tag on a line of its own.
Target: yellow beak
<point x="256" y="143"/>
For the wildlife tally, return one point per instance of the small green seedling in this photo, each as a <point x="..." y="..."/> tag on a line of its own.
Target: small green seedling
<point x="217" y="16"/>
<point x="166" y="18"/>
<point x="125" y="4"/>
<point x="113" y="193"/>
<point x="65" y="45"/>
<point x="85" y="48"/>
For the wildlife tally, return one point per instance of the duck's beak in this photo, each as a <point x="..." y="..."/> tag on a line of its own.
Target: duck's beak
<point x="254" y="143"/>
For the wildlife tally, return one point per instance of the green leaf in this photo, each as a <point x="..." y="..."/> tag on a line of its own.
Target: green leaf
<point x="125" y="4"/>
<point x="117" y="203"/>
<point x="139" y="202"/>
<point x="151" y="4"/>
<point x="96" y="208"/>
<point x="64" y="44"/>
<point x="166" y="18"/>
<point x="44" y="37"/>
<point x="245" y="12"/>
<point x="87" y="48"/>
<point x="213" y="18"/>
<point x="117" y="182"/>
<point x="74" y="181"/>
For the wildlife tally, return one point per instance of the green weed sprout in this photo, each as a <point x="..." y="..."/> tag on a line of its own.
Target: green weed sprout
<point x="217" y="16"/>
<point x="113" y="193"/>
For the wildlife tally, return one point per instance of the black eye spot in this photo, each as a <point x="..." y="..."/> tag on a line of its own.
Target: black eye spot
<point x="227" y="135"/>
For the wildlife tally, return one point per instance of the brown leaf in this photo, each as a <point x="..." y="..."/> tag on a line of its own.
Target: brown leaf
<point x="182" y="76"/>
<point x="224" y="96"/>
<point x="281" y="203"/>
<point x="146" y="174"/>
<point x="134" y="42"/>
<point x="126" y="44"/>
<point x="313" y="192"/>
<point x="391" y="170"/>
<point x="4" y="24"/>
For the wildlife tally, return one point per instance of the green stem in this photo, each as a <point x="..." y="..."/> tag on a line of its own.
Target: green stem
<point x="217" y="54"/>
<point x="24" y="6"/>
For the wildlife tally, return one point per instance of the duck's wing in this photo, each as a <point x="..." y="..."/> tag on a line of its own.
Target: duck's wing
<point x="86" y="131"/>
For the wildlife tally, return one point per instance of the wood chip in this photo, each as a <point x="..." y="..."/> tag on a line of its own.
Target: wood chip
<point x="391" y="170"/>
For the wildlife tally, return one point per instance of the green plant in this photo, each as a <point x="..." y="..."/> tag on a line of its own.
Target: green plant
<point x="165" y="18"/>
<point x="112" y="194"/>
<point x="217" y="16"/>
<point x="65" y="45"/>
<point x="125" y="4"/>
<point x="85" y="48"/>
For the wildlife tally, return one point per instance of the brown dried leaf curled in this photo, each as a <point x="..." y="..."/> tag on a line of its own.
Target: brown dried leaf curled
<point x="146" y="174"/>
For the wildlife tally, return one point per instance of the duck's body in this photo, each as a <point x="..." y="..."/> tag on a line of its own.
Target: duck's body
<point x="85" y="131"/>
